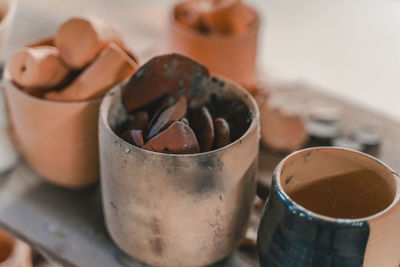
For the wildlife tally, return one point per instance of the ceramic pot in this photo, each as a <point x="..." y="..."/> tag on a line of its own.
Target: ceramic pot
<point x="331" y="207"/>
<point x="232" y="56"/>
<point x="13" y="252"/>
<point x="177" y="210"/>
<point x="58" y="139"/>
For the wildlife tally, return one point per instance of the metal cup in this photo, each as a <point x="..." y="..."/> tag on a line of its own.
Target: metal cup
<point x="177" y="210"/>
<point x="358" y="227"/>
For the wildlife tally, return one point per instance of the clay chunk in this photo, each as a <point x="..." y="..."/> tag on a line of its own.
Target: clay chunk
<point x="222" y="133"/>
<point x="80" y="40"/>
<point x="138" y="121"/>
<point x="171" y="75"/>
<point x="202" y="124"/>
<point x="168" y="116"/>
<point x="176" y="139"/>
<point x="110" y="67"/>
<point x="281" y="132"/>
<point x="38" y="67"/>
<point x="134" y="137"/>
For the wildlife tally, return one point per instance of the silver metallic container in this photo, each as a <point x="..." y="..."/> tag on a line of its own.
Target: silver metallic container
<point x="177" y="210"/>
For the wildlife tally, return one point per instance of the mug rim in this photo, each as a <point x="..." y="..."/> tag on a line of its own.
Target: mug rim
<point x="315" y="215"/>
<point x="254" y="125"/>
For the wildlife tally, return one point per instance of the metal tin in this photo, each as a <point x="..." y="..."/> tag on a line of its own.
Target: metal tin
<point x="294" y="234"/>
<point x="177" y="210"/>
<point x="233" y="56"/>
<point x="58" y="139"/>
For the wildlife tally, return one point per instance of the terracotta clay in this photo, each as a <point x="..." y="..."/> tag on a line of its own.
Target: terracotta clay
<point x="282" y="132"/>
<point x="38" y="67"/>
<point x="133" y="137"/>
<point x="171" y="114"/>
<point x="230" y="55"/>
<point x="222" y="133"/>
<point x="176" y="139"/>
<point x="110" y="67"/>
<point x="175" y="73"/>
<point x="80" y="40"/>
<point x="202" y="124"/>
<point x="13" y="252"/>
<point x="70" y="163"/>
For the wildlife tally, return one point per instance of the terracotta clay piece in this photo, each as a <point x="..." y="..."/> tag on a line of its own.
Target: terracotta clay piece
<point x="168" y="116"/>
<point x="222" y="132"/>
<point x="190" y="118"/>
<point x="219" y="16"/>
<point x="83" y="61"/>
<point x="80" y="40"/>
<point x="175" y="74"/>
<point x="38" y="67"/>
<point x="135" y="137"/>
<point x="176" y="139"/>
<point x="203" y="126"/>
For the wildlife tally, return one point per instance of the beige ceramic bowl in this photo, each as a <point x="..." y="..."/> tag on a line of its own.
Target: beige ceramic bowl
<point x="58" y="139"/>
<point x="232" y="56"/>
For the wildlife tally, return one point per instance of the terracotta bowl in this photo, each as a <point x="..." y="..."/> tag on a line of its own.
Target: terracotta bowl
<point x="232" y="56"/>
<point x="13" y="252"/>
<point x="331" y="207"/>
<point x="177" y="210"/>
<point x="58" y="139"/>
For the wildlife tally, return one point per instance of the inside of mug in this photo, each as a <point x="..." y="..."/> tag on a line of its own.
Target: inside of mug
<point x="338" y="183"/>
<point x="6" y="246"/>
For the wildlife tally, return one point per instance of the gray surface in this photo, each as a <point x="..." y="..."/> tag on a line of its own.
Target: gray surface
<point x="65" y="225"/>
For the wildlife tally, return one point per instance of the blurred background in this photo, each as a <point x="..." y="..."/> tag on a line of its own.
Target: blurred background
<point x="348" y="48"/>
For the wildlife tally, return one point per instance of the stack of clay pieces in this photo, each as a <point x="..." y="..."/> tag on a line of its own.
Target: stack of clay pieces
<point x="85" y="59"/>
<point x="160" y="115"/>
<point x="215" y="16"/>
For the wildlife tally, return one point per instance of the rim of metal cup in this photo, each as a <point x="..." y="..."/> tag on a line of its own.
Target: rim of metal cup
<point x="247" y="99"/>
<point x="315" y="215"/>
<point x="177" y="25"/>
<point x="7" y="82"/>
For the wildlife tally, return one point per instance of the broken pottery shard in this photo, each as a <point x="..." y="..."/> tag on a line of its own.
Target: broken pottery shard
<point x="133" y="137"/>
<point x="176" y="139"/>
<point x="80" y="40"/>
<point x="168" y="116"/>
<point x="38" y="67"/>
<point x="222" y="133"/>
<point x="138" y="121"/>
<point x="164" y="75"/>
<point x="110" y="67"/>
<point x="202" y="124"/>
<point x="281" y="132"/>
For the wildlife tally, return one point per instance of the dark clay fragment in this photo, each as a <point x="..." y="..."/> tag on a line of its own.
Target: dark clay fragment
<point x="222" y="133"/>
<point x="133" y="137"/>
<point x="138" y="121"/>
<point x="176" y="139"/>
<point x="164" y="75"/>
<point x="202" y="124"/>
<point x="168" y="116"/>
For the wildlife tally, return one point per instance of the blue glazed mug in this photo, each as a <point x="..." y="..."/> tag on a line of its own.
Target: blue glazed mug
<point x="331" y="207"/>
